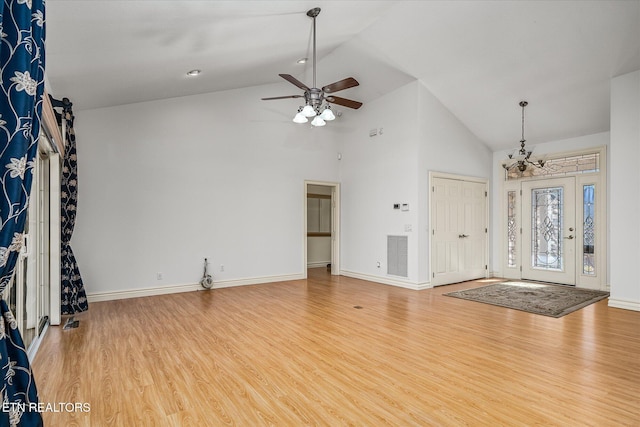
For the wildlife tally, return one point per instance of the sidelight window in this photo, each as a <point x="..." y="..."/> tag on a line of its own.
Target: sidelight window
<point x="511" y="229"/>
<point x="588" y="226"/>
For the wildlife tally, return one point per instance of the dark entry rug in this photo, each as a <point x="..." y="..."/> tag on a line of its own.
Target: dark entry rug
<point x="537" y="298"/>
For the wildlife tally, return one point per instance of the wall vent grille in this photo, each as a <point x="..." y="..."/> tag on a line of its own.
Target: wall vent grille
<point x="397" y="255"/>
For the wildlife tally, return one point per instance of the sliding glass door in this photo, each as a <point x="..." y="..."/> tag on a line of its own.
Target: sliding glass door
<point x="29" y="293"/>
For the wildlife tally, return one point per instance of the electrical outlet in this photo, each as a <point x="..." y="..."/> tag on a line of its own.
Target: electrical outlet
<point x="159" y="276"/>
<point x="221" y="267"/>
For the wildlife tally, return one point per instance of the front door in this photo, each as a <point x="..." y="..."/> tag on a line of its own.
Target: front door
<point x="549" y="230"/>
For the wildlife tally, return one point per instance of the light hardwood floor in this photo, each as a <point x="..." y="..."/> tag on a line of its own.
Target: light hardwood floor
<point x="299" y="353"/>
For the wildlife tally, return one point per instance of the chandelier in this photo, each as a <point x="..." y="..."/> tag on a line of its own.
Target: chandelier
<point x="523" y="158"/>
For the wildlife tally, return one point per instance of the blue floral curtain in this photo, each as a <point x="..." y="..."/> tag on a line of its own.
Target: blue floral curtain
<point x="22" y="70"/>
<point x="74" y="299"/>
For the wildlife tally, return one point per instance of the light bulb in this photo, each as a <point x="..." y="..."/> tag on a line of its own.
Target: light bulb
<point x="318" y="121"/>
<point x="327" y="114"/>
<point x="308" y="111"/>
<point x="300" y="118"/>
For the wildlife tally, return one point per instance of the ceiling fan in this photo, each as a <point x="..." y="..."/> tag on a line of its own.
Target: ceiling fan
<point x="315" y="97"/>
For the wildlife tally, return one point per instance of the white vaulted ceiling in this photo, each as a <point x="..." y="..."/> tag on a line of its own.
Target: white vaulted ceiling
<point x="479" y="58"/>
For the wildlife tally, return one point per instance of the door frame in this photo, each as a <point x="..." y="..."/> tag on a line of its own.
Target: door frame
<point x="599" y="280"/>
<point x="335" y="225"/>
<point x="466" y="178"/>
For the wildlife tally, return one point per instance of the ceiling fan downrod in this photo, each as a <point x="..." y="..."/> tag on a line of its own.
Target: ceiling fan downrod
<point x="313" y="13"/>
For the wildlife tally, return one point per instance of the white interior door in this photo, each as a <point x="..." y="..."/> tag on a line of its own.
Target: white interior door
<point x="459" y="233"/>
<point x="549" y="230"/>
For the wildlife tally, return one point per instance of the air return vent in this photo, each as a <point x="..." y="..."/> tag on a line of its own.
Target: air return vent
<point x="397" y="255"/>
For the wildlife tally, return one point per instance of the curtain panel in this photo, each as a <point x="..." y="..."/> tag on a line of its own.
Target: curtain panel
<point x="22" y="70"/>
<point x="74" y="298"/>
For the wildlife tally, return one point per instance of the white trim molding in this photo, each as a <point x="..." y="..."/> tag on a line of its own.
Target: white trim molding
<point x="624" y="304"/>
<point x="318" y="264"/>
<point x="35" y="345"/>
<point x="189" y="287"/>
<point x="387" y="280"/>
<point x="335" y="225"/>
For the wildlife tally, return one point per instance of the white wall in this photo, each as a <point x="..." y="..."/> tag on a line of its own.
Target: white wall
<point x="419" y="135"/>
<point x="446" y="145"/>
<point x="318" y="251"/>
<point x="164" y="184"/>
<point x="377" y="172"/>
<point x="625" y="191"/>
<point x="560" y="146"/>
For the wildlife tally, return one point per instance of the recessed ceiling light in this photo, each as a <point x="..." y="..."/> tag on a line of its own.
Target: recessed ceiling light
<point x="193" y="73"/>
<point x="302" y="60"/>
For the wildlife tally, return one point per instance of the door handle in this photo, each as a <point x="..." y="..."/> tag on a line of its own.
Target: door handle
<point x="460" y="236"/>
<point x="569" y="237"/>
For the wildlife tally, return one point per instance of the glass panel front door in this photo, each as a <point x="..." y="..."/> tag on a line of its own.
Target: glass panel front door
<point x="549" y="226"/>
<point x="546" y="228"/>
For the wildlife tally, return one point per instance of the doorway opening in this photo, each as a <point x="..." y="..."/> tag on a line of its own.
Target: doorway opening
<point x="322" y="226"/>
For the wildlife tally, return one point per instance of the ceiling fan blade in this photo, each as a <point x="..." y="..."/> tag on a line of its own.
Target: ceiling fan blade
<point x="344" y="102"/>
<point x="294" y="81"/>
<point x="341" y="85"/>
<point x="283" y="97"/>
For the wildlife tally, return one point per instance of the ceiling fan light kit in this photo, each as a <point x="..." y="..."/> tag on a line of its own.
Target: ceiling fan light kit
<point x="300" y="118"/>
<point x="308" y="111"/>
<point x="327" y="114"/>
<point x="315" y="98"/>
<point x="523" y="158"/>
<point x="318" y="121"/>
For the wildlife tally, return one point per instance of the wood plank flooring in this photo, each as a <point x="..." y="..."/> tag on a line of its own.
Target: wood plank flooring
<point x="298" y="353"/>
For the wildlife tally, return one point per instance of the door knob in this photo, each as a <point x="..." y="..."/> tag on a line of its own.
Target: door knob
<point x="569" y="237"/>
<point x="462" y="236"/>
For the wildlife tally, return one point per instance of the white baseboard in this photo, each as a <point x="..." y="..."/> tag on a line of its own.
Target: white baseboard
<point x="35" y="345"/>
<point x="387" y="280"/>
<point x="625" y="304"/>
<point x="318" y="264"/>
<point x="255" y="280"/>
<point x="190" y="287"/>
